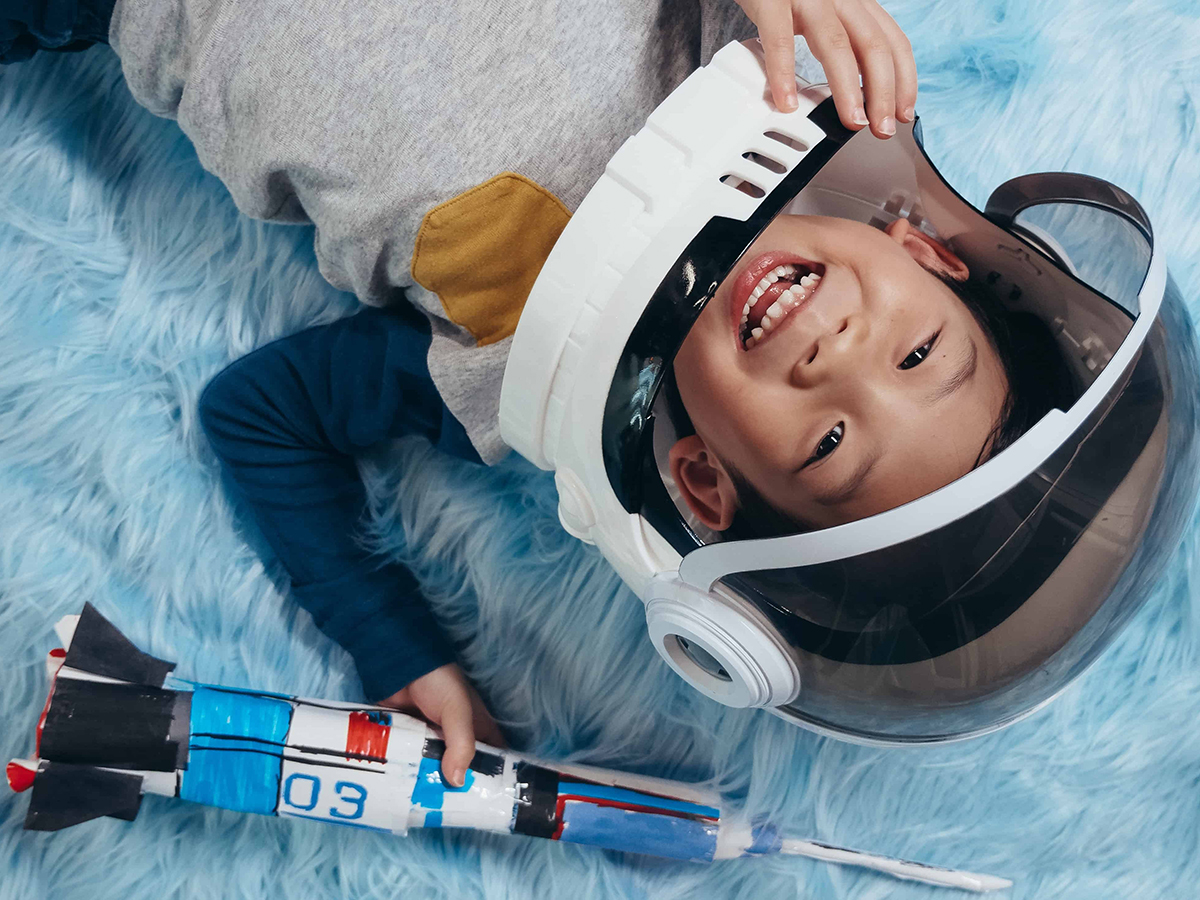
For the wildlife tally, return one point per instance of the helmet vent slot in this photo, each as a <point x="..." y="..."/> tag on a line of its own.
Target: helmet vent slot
<point x="766" y="162"/>
<point x="746" y="187"/>
<point x="798" y="145"/>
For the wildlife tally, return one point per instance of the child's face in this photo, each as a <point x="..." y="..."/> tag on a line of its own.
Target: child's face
<point x="876" y="388"/>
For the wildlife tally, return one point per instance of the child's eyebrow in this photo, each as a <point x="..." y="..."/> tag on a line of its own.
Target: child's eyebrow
<point x="964" y="373"/>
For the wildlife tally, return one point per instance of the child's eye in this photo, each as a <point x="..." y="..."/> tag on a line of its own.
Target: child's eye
<point x="919" y="355"/>
<point x="829" y="443"/>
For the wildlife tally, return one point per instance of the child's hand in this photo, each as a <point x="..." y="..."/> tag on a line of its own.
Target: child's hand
<point x="446" y="698"/>
<point x="843" y="35"/>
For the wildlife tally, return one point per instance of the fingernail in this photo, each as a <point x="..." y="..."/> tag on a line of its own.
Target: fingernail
<point x="888" y="126"/>
<point x="860" y="117"/>
<point x="790" y="103"/>
<point x="459" y="777"/>
<point x="909" y="114"/>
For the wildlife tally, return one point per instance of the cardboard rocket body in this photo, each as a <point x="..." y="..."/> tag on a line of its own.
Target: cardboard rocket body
<point x="117" y="725"/>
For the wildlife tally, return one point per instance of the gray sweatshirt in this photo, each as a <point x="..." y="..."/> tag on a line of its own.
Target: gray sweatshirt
<point x="438" y="148"/>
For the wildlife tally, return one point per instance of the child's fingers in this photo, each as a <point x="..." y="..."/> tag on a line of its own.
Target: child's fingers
<point x="829" y="43"/>
<point x="488" y="731"/>
<point x="902" y="59"/>
<point x="458" y="730"/>
<point x="874" y="53"/>
<point x="401" y="700"/>
<point x="776" y="31"/>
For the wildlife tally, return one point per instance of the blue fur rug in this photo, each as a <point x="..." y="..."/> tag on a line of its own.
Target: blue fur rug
<point x="128" y="279"/>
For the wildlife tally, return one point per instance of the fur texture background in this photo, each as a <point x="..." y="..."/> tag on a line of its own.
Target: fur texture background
<point x="127" y="279"/>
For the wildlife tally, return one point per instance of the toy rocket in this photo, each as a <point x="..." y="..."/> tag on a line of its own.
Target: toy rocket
<point x="117" y="725"/>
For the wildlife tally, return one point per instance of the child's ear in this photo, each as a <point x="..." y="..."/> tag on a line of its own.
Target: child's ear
<point x="706" y="487"/>
<point x="929" y="252"/>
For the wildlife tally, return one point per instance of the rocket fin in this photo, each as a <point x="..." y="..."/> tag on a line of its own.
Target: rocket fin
<point x="96" y="646"/>
<point x="66" y="795"/>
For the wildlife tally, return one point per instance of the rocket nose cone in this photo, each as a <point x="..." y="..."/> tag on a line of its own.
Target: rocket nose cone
<point x="20" y="774"/>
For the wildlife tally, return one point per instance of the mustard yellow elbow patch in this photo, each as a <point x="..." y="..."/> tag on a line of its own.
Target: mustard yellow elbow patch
<point x="481" y="251"/>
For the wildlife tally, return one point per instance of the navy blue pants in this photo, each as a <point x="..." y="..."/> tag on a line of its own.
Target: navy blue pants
<point x="27" y="26"/>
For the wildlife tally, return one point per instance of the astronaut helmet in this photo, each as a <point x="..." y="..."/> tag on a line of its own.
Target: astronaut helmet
<point x="952" y="606"/>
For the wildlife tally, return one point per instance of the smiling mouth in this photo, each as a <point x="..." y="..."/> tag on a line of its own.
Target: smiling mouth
<point x="778" y="293"/>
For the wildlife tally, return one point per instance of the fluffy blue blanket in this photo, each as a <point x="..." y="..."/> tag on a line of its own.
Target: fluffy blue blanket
<point x="129" y="279"/>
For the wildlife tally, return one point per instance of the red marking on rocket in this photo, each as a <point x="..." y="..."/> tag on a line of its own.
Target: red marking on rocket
<point x="20" y="774"/>
<point x="367" y="736"/>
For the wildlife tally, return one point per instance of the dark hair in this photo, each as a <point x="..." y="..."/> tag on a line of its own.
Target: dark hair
<point x="1038" y="380"/>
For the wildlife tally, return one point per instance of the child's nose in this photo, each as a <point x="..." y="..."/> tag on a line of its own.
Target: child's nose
<point x="828" y="354"/>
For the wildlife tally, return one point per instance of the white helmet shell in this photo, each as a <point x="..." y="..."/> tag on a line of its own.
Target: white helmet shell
<point x="1054" y="541"/>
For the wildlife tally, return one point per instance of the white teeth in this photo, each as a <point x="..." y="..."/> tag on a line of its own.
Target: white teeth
<point x="786" y="301"/>
<point x="774" y="275"/>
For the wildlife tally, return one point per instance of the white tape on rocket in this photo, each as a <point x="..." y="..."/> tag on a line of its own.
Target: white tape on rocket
<point x="377" y="758"/>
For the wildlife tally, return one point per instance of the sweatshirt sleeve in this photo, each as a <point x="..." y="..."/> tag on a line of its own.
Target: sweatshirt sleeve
<point x="286" y="422"/>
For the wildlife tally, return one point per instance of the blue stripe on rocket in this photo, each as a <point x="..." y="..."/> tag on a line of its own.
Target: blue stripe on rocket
<point x="235" y="774"/>
<point x="431" y="788"/>
<point x="765" y="840"/>
<point x="601" y="816"/>
<point x="616" y="828"/>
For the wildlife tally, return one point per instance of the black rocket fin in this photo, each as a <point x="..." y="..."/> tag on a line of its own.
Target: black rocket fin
<point x="66" y="795"/>
<point x="98" y="647"/>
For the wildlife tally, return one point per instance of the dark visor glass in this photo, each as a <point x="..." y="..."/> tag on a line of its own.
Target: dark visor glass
<point x="974" y="623"/>
<point x="967" y="627"/>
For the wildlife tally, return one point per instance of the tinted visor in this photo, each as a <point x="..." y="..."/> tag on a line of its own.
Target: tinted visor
<point x="962" y="624"/>
<point x="970" y="626"/>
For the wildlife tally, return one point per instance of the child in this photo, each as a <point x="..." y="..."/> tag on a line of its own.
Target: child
<point x="892" y="380"/>
<point x="385" y="126"/>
